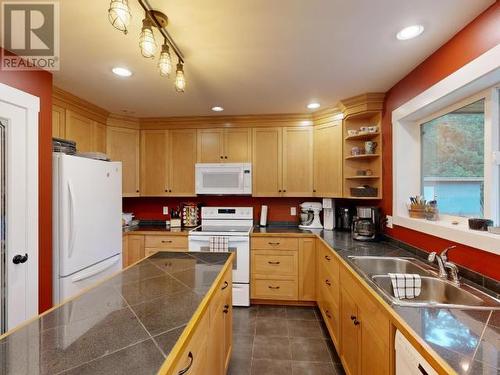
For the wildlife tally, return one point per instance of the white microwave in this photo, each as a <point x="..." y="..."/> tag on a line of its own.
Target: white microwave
<point x="224" y="178"/>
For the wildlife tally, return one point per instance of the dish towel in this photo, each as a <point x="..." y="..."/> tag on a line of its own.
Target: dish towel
<point x="405" y="285"/>
<point x="219" y="244"/>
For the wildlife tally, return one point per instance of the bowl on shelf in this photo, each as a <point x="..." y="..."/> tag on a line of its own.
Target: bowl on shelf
<point x="480" y="224"/>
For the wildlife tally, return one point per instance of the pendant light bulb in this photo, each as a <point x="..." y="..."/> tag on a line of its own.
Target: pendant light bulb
<point x="165" y="62"/>
<point x="119" y="15"/>
<point x="147" y="40"/>
<point x="180" y="80"/>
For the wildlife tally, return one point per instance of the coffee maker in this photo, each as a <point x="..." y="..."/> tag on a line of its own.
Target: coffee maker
<point x="309" y="215"/>
<point x="366" y="224"/>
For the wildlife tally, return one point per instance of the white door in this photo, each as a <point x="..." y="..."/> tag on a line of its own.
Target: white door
<point x="19" y="192"/>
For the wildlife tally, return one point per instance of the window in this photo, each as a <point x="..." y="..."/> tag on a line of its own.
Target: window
<point x="453" y="163"/>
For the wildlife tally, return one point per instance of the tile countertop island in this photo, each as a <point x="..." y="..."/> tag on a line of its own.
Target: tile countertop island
<point x="468" y="340"/>
<point x="126" y="324"/>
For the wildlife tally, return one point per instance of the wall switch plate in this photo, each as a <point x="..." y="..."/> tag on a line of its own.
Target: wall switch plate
<point x="165" y="210"/>
<point x="293" y="211"/>
<point x="388" y="221"/>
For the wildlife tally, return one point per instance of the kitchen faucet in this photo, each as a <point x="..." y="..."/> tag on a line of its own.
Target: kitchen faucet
<point x="443" y="264"/>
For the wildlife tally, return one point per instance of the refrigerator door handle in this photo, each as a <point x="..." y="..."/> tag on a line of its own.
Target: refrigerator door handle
<point x="72" y="233"/>
<point x="94" y="271"/>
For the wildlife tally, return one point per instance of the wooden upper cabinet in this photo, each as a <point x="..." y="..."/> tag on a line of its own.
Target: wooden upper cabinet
<point x="237" y="145"/>
<point x="98" y="142"/>
<point x="79" y="129"/>
<point x="210" y="146"/>
<point x="182" y="160"/>
<point x="328" y="160"/>
<point x="58" y="122"/>
<point x="267" y="162"/>
<point x="298" y="162"/>
<point x="123" y="145"/>
<point x="154" y="162"/>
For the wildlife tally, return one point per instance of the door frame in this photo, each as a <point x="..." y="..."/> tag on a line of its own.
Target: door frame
<point x="30" y="105"/>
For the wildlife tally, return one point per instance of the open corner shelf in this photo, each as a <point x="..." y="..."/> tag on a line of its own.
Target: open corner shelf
<point x="363" y="156"/>
<point x="362" y="137"/>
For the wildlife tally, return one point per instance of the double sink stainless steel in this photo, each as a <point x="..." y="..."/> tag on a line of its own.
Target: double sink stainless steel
<point x="435" y="291"/>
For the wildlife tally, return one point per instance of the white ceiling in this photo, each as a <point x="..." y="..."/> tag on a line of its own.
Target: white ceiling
<point x="253" y="56"/>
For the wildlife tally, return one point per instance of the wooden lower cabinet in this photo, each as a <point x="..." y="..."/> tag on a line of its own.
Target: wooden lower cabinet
<point x="350" y="335"/>
<point x="307" y="269"/>
<point x="134" y="249"/>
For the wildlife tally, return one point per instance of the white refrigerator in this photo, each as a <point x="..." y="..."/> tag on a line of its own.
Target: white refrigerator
<point x="87" y="229"/>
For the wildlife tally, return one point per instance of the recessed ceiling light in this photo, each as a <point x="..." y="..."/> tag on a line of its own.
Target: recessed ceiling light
<point x="217" y="109"/>
<point x="313" y="105"/>
<point x="122" y="72"/>
<point x="410" y="32"/>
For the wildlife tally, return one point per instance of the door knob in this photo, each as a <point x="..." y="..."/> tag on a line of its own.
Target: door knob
<point x="20" y="258"/>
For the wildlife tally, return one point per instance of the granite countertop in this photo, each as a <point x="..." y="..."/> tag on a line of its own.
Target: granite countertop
<point x="468" y="340"/>
<point x="128" y="323"/>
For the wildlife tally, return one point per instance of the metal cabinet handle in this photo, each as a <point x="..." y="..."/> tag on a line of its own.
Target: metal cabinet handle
<point x="356" y="322"/>
<point x="20" y="259"/>
<point x="273" y="287"/>
<point x="327" y="313"/>
<point x="422" y="370"/>
<point x="222" y="157"/>
<point x="226" y="284"/>
<point x="273" y="262"/>
<point x="274" y="243"/>
<point x="279" y="191"/>
<point x="191" y="360"/>
<point x="166" y="241"/>
<point x="353" y="317"/>
<point x="226" y="309"/>
<point x="137" y="191"/>
<point x="328" y="258"/>
<point x="327" y="282"/>
<point x="225" y="157"/>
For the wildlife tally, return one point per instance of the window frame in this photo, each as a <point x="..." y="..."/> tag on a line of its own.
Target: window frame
<point x="479" y="78"/>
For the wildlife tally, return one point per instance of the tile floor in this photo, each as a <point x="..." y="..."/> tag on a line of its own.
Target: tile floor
<point x="275" y="340"/>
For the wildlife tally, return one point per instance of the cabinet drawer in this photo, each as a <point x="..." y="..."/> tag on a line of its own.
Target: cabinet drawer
<point x="167" y="242"/>
<point x="327" y="283"/>
<point x="271" y="263"/>
<point x="277" y="243"/>
<point x="329" y="260"/>
<point x="275" y="289"/>
<point x="194" y="353"/>
<point x="331" y="315"/>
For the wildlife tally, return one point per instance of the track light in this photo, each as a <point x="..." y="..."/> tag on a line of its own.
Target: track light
<point x="147" y="40"/>
<point x="119" y="15"/>
<point x="165" y="62"/>
<point x="180" y="80"/>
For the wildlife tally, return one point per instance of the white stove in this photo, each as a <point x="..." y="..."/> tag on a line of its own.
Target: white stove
<point x="235" y="223"/>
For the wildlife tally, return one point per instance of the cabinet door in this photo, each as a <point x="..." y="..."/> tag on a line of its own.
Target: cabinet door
<point x="375" y="357"/>
<point x="267" y="162"/>
<point x="182" y="152"/>
<point x="349" y="334"/>
<point x="210" y="146"/>
<point x="298" y="162"/>
<point x="98" y="143"/>
<point x="79" y="129"/>
<point x="215" y="365"/>
<point x="123" y="145"/>
<point x="134" y="250"/>
<point x="154" y="162"/>
<point x="238" y="145"/>
<point x="307" y="269"/>
<point x="58" y="122"/>
<point x="328" y="160"/>
<point x="228" y="329"/>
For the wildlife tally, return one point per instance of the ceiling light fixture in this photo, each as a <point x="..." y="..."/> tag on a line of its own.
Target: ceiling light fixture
<point x="122" y="72"/>
<point x="165" y="62"/>
<point x="119" y="16"/>
<point x="217" y="109"/>
<point x="180" y="80"/>
<point x="313" y="105"/>
<point x="410" y="32"/>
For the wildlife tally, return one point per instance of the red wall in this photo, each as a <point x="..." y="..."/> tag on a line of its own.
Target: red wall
<point x="476" y="38"/>
<point x="39" y="83"/>
<point x="279" y="208"/>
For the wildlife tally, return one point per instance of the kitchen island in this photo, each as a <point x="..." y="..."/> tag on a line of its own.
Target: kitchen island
<point x="166" y="313"/>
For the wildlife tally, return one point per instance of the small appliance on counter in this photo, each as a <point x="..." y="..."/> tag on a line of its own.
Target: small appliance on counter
<point x="328" y="214"/>
<point x="366" y="224"/>
<point x="309" y="215"/>
<point x="343" y="219"/>
<point x="263" y="216"/>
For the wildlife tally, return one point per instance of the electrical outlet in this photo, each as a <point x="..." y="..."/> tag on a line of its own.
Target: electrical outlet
<point x="293" y="211"/>
<point x="388" y="221"/>
<point x="165" y="210"/>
